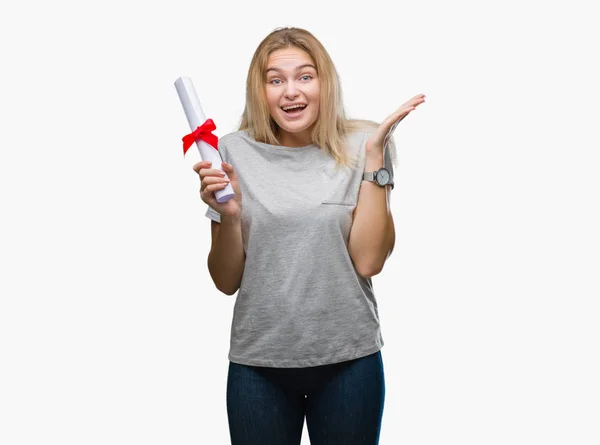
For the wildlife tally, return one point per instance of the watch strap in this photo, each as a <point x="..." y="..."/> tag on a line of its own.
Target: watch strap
<point x="369" y="176"/>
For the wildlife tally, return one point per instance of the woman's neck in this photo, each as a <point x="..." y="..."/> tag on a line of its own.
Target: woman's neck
<point x="299" y="139"/>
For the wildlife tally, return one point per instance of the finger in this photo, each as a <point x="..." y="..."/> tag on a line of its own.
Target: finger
<point x="211" y="180"/>
<point x="414" y="101"/>
<point x="220" y="186"/>
<point x="208" y="180"/>
<point x="402" y="113"/>
<point x="396" y="117"/>
<point x="213" y="187"/>
<point x="211" y="172"/>
<point x="200" y="165"/>
<point x="228" y="168"/>
<point x="401" y="108"/>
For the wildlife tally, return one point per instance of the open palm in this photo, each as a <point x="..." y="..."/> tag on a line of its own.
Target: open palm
<point x="378" y="140"/>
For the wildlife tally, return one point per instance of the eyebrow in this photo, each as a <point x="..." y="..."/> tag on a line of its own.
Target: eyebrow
<point x="306" y="65"/>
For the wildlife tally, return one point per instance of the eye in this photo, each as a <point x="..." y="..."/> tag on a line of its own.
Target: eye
<point x="306" y="75"/>
<point x="274" y="80"/>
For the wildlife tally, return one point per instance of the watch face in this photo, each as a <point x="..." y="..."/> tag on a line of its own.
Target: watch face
<point x="383" y="177"/>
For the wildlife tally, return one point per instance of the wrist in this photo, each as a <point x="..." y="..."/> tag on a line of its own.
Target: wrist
<point x="373" y="162"/>
<point x="375" y="168"/>
<point x="231" y="219"/>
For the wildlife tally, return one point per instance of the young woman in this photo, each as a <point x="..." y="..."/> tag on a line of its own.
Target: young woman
<point x="309" y="226"/>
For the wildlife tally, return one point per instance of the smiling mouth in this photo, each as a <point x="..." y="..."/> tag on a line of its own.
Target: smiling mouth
<point x="295" y="111"/>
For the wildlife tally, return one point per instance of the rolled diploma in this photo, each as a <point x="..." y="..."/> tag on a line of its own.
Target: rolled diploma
<point x="195" y="116"/>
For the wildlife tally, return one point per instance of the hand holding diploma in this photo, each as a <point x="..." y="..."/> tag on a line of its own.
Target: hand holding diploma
<point x="212" y="180"/>
<point x="201" y="134"/>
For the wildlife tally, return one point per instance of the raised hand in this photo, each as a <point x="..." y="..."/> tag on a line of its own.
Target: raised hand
<point x="378" y="140"/>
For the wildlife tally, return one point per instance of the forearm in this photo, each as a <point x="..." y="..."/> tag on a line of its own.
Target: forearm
<point x="372" y="233"/>
<point x="227" y="259"/>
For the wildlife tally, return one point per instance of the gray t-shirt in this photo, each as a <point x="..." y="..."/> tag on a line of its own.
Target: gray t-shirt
<point x="301" y="302"/>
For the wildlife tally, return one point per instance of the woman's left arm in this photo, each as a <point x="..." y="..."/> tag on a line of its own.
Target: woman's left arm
<point x="372" y="235"/>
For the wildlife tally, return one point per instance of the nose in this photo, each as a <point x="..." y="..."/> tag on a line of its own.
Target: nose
<point x="291" y="91"/>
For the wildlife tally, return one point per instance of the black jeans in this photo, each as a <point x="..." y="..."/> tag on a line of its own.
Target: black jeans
<point x="343" y="403"/>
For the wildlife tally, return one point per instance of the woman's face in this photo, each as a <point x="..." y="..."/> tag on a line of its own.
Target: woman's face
<point x="292" y="80"/>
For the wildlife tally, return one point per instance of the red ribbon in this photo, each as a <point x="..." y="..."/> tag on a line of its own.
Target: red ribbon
<point x="203" y="132"/>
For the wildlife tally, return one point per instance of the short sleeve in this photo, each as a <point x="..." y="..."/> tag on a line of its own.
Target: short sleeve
<point x="387" y="163"/>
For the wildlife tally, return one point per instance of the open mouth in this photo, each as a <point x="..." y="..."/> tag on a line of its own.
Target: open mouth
<point x="296" y="111"/>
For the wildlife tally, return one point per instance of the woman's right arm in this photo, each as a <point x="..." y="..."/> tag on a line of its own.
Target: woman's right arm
<point x="227" y="259"/>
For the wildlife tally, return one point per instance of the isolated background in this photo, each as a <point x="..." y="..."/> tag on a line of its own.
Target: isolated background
<point x="111" y="331"/>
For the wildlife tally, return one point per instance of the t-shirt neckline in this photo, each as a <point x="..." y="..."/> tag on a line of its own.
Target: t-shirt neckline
<point x="281" y="147"/>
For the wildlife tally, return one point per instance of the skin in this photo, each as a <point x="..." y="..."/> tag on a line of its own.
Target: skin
<point x="285" y="84"/>
<point x="216" y="178"/>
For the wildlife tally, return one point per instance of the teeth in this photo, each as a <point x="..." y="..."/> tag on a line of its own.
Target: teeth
<point x="293" y="106"/>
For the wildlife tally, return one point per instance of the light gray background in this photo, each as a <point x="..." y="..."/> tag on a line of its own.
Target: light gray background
<point x="111" y="331"/>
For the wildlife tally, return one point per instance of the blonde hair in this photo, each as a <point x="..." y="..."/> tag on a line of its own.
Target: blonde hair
<point x="332" y="124"/>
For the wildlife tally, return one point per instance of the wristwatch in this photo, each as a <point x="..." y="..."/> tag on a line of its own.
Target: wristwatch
<point x="381" y="177"/>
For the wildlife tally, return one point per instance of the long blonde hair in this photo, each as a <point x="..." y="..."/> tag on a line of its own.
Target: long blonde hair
<point x="332" y="124"/>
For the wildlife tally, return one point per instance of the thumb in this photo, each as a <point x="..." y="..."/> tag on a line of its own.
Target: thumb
<point x="228" y="168"/>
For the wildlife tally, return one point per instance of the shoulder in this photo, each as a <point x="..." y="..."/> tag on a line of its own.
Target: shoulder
<point x="359" y="130"/>
<point x="234" y="137"/>
<point x="232" y="142"/>
<point x="357" y="139"/>
<point x="365" y="128"/>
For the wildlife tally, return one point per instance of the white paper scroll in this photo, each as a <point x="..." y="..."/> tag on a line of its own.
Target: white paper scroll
<point x="195" y="116"/>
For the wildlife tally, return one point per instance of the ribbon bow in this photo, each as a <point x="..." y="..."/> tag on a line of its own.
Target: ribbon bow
<point x="203" y="132"/>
